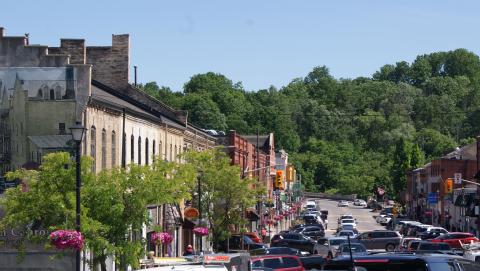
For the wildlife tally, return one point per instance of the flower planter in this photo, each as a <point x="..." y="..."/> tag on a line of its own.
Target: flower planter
<point x="67" y="239"/>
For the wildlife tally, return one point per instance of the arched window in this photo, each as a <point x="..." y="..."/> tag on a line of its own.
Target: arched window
<point x="153" y="150"/>
<point x="93" y="147"/>
<point x="114" y="149"/>
<point x="160" y="150"/>
<point x="132" y="149"/>
<point x="52" y="94"/>
<point x="175" y="154"/>
<point x="139" y="150"/>
<point x="104" y="149"/>
<point x="146" y="151"/>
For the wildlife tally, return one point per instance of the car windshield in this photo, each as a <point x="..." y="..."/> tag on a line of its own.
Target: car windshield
<point x="337" y="242"/>
<point x="346" y="233"/>
<point x="348" y="221"/>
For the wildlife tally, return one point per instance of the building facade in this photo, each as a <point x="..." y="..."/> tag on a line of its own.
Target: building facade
<point x="45" y="90"/>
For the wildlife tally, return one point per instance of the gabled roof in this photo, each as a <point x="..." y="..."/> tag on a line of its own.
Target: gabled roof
<point x="467" y="152"/>
<point x="51" y="141"/>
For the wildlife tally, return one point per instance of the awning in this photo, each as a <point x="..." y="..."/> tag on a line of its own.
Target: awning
<point x="51" y="141"/>
<point x="251" y="214"/>
<point x="464" y="200"/>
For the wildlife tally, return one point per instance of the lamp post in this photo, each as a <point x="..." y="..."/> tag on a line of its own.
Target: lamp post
<point x="77" y="134"/>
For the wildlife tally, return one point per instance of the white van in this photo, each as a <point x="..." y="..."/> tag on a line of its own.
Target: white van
<point x="311" y="205"/>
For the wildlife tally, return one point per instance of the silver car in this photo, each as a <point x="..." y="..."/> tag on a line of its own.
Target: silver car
<point x="328" y="247"/>
<point x="381" y="239"/>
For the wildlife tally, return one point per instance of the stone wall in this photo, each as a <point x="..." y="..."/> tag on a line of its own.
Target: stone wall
<point x="36" y="260"/>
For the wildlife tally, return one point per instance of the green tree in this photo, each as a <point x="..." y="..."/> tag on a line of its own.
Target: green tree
<point x="113" y="202"/>
<point x="225" y="195"/>
<point x="402" y="159"/>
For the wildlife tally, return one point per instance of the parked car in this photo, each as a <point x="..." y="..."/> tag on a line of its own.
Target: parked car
<point x="342" y="203"/>
<point x="254" y="236"/>
<point x="382" y="239"/>
<point x="278" y="262"/>
<point x="294" y="240"/>
<point x="430" y="246"/>
<point x="405" y="242"/>
<point x="403" y="262"/>
<point x="431" y="232"/>
<point x="413" y="245"/>
<point x="345" y="216"/>
<point x="235" y="244"/>
<point x="345" y="233"/>
<point x="456" y="239"/>
<point x="356" y="248"/>
<point x="384" y="219"/>
<point x="314" y="232"/>
<point x="311" y="219"/>
<point x="345" y="222"/>
<point x="328" y="247"/>
<point x="275" y="251"/>
<point x="347" y="228"/>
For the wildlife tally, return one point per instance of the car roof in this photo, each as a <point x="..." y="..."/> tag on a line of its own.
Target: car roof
<point x="274" y="256"/>
<point x="429" y="257"/>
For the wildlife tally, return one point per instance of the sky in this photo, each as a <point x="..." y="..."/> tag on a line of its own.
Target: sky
<point x="259" y="43"/>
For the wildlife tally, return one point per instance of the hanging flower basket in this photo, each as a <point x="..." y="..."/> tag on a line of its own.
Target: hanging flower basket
<point x="202" y="231"/>
<point x="161" y="237"/>
<point x="67" y="239"/>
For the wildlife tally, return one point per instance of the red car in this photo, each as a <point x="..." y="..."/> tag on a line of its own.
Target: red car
<point x="254" y="236"/>
<point x="454" y="239"/>
<point x="278" y="262"/>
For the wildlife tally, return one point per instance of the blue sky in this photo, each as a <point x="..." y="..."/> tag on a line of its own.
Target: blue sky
<point x="259" y="43"/>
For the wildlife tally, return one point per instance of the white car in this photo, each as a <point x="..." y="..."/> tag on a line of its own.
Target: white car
<point x="328" y="248"/>
<point x="343" y="203"/>
<point x="344" y="217"/>
<point x="350" y="222"/>
<point x="362" y="203"/>
<point x="345" y="233"/>
<point x="380" y="218"/>
<point x="384" y="220"/>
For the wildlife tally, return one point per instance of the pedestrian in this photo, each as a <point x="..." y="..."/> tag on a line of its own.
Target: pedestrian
<point x="263" y="232"/>
<point x="188" y="251"/>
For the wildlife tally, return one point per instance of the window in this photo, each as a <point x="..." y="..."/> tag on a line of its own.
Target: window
<point x="176" y="154"/>
<point x="93" y="147"/>
<point x="171" y="152"/>
<point x="139" y="150"/>
<point x="160" y="150"/>
<point x="132" y="149"/>
<point x="273" y="263"/>
<point x="257" y="263"/>
<point x="290" y="262"/>
<point x="61" y="128"/>
<point x="378" y="234"/>
<point x="153" y="147"/>
<point x="114" y="148"/>
<point x="391" y="234"/>
<point x="146" y="151"/>
<point x="104" y="149"/>
<point x="52" y="94"/>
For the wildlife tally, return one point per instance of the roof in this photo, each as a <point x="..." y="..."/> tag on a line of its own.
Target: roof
<point x="51" y="141"/>
<point x="262" y="139"/>
<point x="467" y="152"/>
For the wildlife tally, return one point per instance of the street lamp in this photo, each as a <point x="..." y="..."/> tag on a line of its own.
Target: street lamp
<point x="77" y="134"/>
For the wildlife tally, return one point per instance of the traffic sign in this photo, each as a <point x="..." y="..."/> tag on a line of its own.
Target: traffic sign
<point x="432" y="198"/>
<point x="457" y="177"/>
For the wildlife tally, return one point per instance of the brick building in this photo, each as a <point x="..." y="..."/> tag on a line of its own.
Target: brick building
<point x="431" y="178"/>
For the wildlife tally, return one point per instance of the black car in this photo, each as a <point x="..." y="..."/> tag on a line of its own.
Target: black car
<point x="293" y="240"/>
<point x="314" y="232"/>
<point x="235" y="244"/>
<point x="275" y="251"/>
<point x="402" y="262"/>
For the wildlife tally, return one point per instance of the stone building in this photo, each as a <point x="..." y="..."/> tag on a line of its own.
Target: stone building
<point x="45" y="90"/>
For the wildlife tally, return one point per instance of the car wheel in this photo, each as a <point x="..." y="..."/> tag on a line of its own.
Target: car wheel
<point x="390" y="247"/>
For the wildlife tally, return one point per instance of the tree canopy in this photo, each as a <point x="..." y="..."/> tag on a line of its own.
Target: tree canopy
<point x="332" y="126"/>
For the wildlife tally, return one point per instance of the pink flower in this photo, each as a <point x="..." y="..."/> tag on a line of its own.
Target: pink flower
<point x="161" y="237"/>
<point x="202" y="231"/>
<point x="67" y="239"/>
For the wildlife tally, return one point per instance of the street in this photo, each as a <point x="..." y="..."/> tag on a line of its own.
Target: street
<point x="365" y="220"/>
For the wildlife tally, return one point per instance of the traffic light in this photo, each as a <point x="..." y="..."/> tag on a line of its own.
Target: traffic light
<point x="279" y="180"/>
<point x="449" y="185"/>
<point x="290" y="173"/>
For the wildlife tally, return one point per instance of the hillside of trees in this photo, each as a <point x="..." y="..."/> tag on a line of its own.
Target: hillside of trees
<point x="349" y="135"/>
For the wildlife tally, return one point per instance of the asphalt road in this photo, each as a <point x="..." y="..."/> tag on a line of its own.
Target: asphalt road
<point x="365" y="220"/>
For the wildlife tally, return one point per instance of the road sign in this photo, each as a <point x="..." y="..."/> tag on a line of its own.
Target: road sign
<point x="432" y="198"/>
<point x="457" y="177"/>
